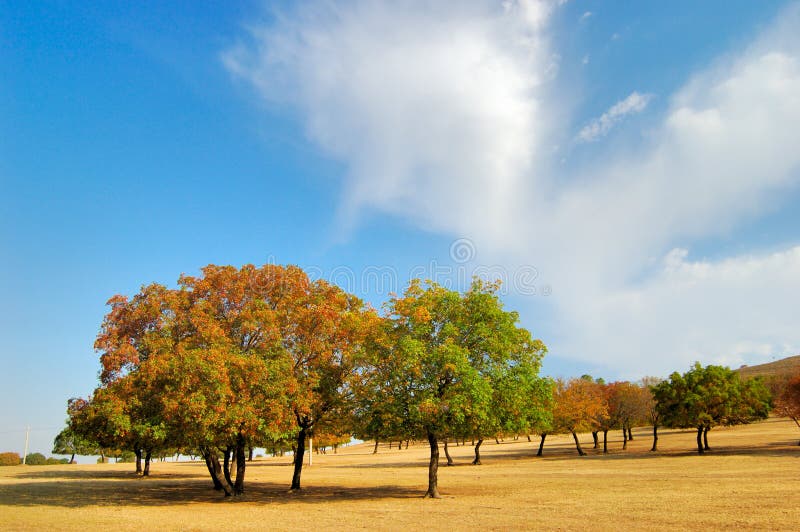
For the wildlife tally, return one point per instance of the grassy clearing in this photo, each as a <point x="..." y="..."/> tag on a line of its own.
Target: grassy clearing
<point x="751" y="479"/>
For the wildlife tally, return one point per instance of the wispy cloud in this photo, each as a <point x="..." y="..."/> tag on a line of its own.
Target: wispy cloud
<point x="599" y="127"/>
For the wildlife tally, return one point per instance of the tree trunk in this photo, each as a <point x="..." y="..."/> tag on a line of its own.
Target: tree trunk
<point x="496" y="440"/>
<point x="241" y="464"/>
<point x="138" y="453"/>
<point x="624" y="438"/>
<point x="577" y="444"/>
<point x="700" y="439"/>
<point x="226" y="466"/>
<point x="146" y="472"/>
<point x="213" y="469"/>
<point x="477" y="460"/>
<point x="72" y="459"/>
<point x="541" y="445"/>
<point x="447" y="453"/>
<point x="594" y="437"/>
<point x="250" y="454"/>
<point x="407" y="442"/>
<point x="529" y="438"/>
<point x="605" y="441"/>
<point x="630" y="433"/>
<point x="375" y="450"/>
<point x="655" y="438"/>
<point x="298" y="458"/>
<point x="433" y="468"/>
<point x="705" y="439"/>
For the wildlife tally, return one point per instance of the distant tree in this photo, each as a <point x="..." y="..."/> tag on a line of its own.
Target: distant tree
<point x="788" y="402"/>
<point x="69" y="442"/>
<point x="36" y="459"/>
<point x="707" y="396"/>
<point x="579" y="403"/>
<point x="10" y="459"/>
<point x="620" y="399"/>
<point x="649" y="407"/>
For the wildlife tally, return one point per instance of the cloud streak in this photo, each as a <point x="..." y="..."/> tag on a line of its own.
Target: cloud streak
<point x="635" y="103"/>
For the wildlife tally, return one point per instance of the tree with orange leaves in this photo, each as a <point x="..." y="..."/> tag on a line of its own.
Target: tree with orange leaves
<point x="237" y="356"/>
<point x="578" y="404"/>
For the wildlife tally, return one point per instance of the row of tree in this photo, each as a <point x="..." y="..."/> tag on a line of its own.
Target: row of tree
<point x="266" y="357"/>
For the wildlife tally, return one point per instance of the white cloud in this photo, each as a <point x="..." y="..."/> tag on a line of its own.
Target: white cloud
<point x="448" y="113"/>
<point x="413" y="96"/>
<point x="730" y="311"/>
<point x="599" y="127"/>
<point x="586" y="15"/>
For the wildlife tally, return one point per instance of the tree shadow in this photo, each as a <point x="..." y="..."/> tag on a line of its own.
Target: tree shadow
<point x="79" y="474"/>
<point x="81" y="492"/>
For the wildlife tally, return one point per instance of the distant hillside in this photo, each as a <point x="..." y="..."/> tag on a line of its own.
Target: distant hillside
<point x="780" y="368"/>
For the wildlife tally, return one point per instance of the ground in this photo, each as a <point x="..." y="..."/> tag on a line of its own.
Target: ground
<point x="750" y="480"/>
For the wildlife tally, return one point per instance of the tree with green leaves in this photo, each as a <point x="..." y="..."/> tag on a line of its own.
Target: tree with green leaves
<point x="70" y="442"/>
<point x="704" y="397"/>
<point x="449" y="364"/>
<point x="507" y="357"/>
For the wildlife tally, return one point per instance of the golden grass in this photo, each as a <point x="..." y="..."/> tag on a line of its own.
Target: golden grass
<point x="750" y="480"/>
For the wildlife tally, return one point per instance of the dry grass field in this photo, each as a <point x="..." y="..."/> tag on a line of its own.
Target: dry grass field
<point x="750" y="480"/>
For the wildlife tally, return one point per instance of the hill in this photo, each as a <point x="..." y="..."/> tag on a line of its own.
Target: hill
<point x="786" y="367"/>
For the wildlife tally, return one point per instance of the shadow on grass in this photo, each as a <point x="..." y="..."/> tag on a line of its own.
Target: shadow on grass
<point x="177" y="490"/>
<point x="82" y="474"/>
<point x="563" y="452"/>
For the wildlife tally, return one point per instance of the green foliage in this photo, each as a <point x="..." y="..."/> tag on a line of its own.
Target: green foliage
<point x="708" y="396"/>
<point x="35" y="459"/>
<point x="68" y="441"/>
<point x="126" y="457"/>
<point x="56" y="461"/>
<point x="10" y="459"/>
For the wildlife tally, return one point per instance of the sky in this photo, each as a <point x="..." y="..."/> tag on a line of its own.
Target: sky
<point x="631" y="173"/>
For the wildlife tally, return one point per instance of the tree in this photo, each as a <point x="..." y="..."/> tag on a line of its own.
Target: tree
<point x="506" y="356"/>
<point x="707" y="396"/>
<point x="444" y="360"/>
<point x="788" y="401"/>
<point x="649" y="407"/>
<point x="69" y="442"/>
<point x="36" y="459"/>
<point x="578" y="404"/>
<point x="426" y="371"/>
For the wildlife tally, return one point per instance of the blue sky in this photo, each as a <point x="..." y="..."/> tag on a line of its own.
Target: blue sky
<point x="631" y="172"/>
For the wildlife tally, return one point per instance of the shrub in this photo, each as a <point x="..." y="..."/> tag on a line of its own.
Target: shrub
<point x="57" y="461"/>
<point x="9" y="459"/>
<point x="35" y="459"/>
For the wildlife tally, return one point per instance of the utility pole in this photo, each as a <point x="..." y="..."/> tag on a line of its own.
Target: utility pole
<point x="27" y="434"/>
